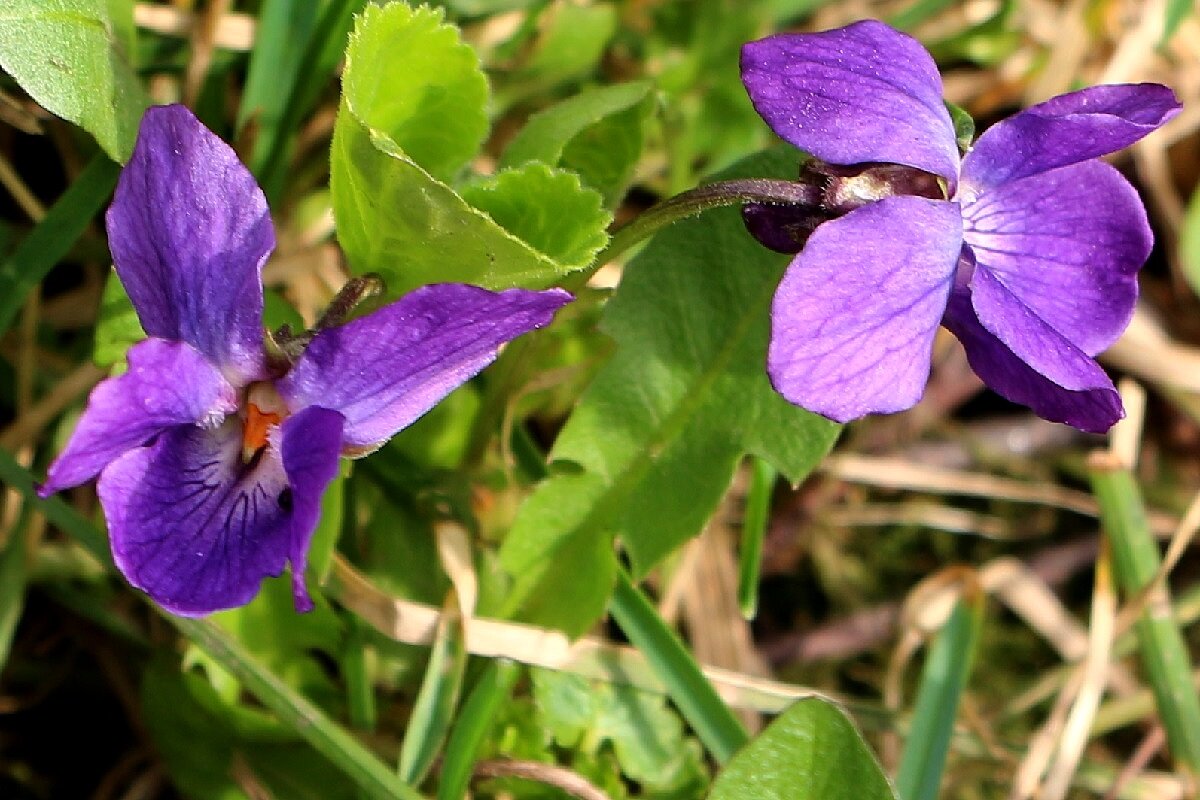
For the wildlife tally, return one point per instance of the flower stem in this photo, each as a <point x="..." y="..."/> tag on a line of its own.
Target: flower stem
<point x="701" y="199"/>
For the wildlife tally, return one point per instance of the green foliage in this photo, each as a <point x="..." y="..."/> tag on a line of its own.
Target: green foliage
<point x="73" y="57"/>
<point x="964" y="127"/>
<point x="1189" y="244"/>
<point x="52" y="238"/>
<point x="610" y="734"/>
<point x="943" y="682"/>
<point x="652" y="444"/>
<point x="433" y="711"/>
<point x="597" y="133"/>
<point x="533" y="201"/>
<point x="412" y="115"/>
<point x="269" y="628"/>
<point x="204" y="742"/>
<point x="117" y="327"/>
<point x="570" y="41"/>
<point x="411" y="77"/>
<point x="810" y="752"/>
<point x="646" y="736"/>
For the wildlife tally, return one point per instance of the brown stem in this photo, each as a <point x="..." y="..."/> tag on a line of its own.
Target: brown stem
<point x="548" y="774"/>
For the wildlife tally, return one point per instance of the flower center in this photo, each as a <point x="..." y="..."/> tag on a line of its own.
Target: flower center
<point x="264" y="410"/>
<point x="849" y="187"/>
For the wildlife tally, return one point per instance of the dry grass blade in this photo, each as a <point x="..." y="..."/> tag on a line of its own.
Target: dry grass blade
<point x="896" y="473"/>
<point x="562" y="778"/>
<point x="416" y="624"/>
<point x="1094" y="669"/>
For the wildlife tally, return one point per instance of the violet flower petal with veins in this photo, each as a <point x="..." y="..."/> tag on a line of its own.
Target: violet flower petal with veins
<point x="1030" y="257"/>
<point x="211" y="457"/>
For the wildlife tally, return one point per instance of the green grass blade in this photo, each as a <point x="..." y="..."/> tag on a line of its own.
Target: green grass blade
<point x="942" y="682"/>
<point x="325" y="735"/>
<point x="13" y="575"/>
<point x="284" y="27"/>
<point x="324" y="48"/>
<point x="360" y="690"/>
<point x="754" y="530"/>
<point x="719" y="730"/>
<point x="53" y="237"/>
<point x="471" y="728"/>
<point x="54" y="509"/>
<point x="433" y="711"/>
<point x="1177" y="12"/>
<point x="1160" y="642"/>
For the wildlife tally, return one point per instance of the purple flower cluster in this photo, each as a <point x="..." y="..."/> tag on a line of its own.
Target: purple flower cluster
<point x="212" y="455"/>
<point x="1026" y="249"/>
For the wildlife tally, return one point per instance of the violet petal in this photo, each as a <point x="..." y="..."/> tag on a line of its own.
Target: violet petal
<point x="1093" y="409"/>
<point x="386" y="369"/>
<point x="852" y="95"/>
<point x="853" y="321"/>
<point x="1065" y="130"/>
<point x="311" y="443"/>
<point x="1068" y="244"/>
<point x="189" y="233"/>
<point x="167" y="384"/>
<point x="192" y="525"/>
<point x="1043" y="349"/>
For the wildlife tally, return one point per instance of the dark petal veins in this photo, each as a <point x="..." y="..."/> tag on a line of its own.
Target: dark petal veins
<point x="189" y="232"/>
<point x="384" y="370"/>
<point x="167" y="384"/>
<point x="190" y="526"/>
<point x="853" y="321"/>
<point x="861" y="93"/>
<point x="1065" y="130"/>
<point x="1094" y="408"/>
<point x="1067" y="244"/>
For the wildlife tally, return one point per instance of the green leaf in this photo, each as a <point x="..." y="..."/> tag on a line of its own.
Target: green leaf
<point x="653" y="443"/>
<point x="810" y="752"/>
<point x="412" y="108"/>
<point x="596" y="133"/>
<point x="646" y="736"/>
<point x="964" y="127"/>
<point x="410" y="77"/>
<point x="71" y="56"/>
<point x="547" y="208"/>
<point x="118" y="327"/>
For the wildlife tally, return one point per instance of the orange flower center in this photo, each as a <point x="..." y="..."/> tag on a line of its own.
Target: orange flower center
<point x="264" y="409"/>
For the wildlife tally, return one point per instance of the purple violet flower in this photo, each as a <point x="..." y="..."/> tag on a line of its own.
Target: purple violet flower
<point x="1027" y="249"/>
<point x="213" y="454"/>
